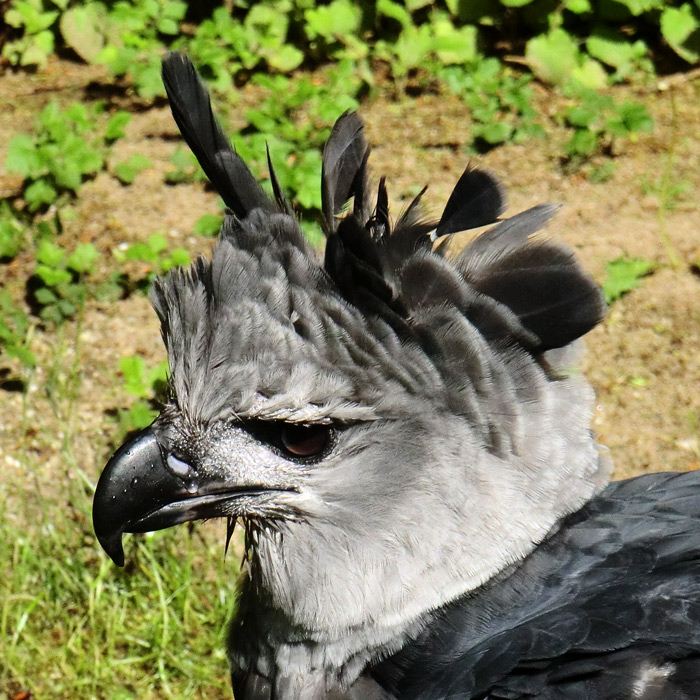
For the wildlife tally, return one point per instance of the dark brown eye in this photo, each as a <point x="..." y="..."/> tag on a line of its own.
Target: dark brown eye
<point x="305" y="440"/>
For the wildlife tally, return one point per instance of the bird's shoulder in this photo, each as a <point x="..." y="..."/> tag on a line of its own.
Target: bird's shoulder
<point x="607" y="607"/>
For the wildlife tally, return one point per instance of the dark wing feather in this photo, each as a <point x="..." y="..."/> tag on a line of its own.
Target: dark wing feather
<point x="608" y="608"/>
<point x="191" y="108"/>
<point x="478" y="199"/>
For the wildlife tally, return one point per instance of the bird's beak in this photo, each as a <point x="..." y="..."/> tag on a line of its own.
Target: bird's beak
<point x="134" y="484"/>
<point x="143" y="489"/>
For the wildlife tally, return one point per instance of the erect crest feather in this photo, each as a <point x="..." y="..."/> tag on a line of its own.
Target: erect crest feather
<point x="288" y="333"/>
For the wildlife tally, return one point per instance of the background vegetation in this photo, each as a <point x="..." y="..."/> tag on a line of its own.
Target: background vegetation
<point x="71" y="625"/>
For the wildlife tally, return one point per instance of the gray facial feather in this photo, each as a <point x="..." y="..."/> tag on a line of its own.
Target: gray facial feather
<point x="463" y="458"/>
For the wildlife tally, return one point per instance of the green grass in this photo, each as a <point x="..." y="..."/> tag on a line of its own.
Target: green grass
<point x="73" y="625"/>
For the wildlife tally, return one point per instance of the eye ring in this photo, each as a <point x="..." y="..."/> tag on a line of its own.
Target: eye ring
<point x="306" y="442"/>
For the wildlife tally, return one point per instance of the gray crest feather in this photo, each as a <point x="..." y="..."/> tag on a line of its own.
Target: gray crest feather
<point x="503" y="291"/>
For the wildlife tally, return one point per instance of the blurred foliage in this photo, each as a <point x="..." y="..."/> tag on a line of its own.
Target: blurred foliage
<point x="592" y="41"/>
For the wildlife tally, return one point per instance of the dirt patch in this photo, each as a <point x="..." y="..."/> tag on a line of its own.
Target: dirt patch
<point x="643" y="361"/>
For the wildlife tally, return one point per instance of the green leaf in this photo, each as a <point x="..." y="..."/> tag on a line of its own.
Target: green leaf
<point x="48" y="253"/>
<point x="116" y="125"/>
<point x="578" y="7"/>
<point x="26" y="15"/>
<point x="39" y="193"/>
<point x="411" y="48"/>
<point x="141" y="415"/>
<point x="39" y="47"/>
<point x="157" y="243"/>
<point x="77" y="153"/>
<point x="413" y="5"/>
<point x="83" y="258"/>
<point x="157" y="376"/>
<point x="552" y="57"/>
<point x="515" y="3"/>
<point x="496" y="132"/>
<point x="455" y="46"/>
<point x="208" y="224"/>
<point x="23" y="157"/>
<point x="313" y="233"/>
<point x="45" y="296"/>
<point x="590" y="74"/>
<point x="127" y="171"/>
<point x="681" y="29"/>
<point x="166" y="25"/>
<point x="581" y="116"/>
<point x="22" y="353"/>
<point x="635" y="116"/>
<point x="639" y="7"/>
<point x="179" y="257"/>
<point x="612" y="48"/>
<point x="83" y="29"/>
<point x="174" y="9"/>
<point x="53" y="277"/>
<point x="333" y="21"/>
<point x="624" y="274"/>
<point x="134" y="370"/>
<point x="394" y="10"/>
<point x="286" y="59"/>
<point x="583" y="143"/>
<point x="11" y="233"/>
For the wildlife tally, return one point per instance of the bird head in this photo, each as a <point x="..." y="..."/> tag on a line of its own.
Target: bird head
<point x="391" y="426"/>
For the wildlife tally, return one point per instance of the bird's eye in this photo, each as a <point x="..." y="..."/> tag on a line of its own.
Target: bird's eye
<point x="305" y="440"/>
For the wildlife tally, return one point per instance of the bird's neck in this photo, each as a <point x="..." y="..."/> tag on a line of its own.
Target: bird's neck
<point x="328" y="594"/>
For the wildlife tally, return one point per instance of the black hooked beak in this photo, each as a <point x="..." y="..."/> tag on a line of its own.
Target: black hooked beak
<point x="134" y="485"/>
<point x="143" y="488"/>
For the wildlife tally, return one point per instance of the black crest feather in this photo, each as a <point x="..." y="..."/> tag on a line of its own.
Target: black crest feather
<point x="344" y="168"/>
<point x="191" y="108"/>
<point x="512" y="289"/>
<point x="478" y="199"/>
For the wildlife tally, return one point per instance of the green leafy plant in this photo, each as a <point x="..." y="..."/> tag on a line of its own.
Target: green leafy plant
<point x="335" y="30"/>
<point x="12" y="232"/>
<point x="14" y="330"/>
<point x="680" y="27"/>
<point x="500" y="102"/>
<point x="208" y="224"/>
<point x="412" y="43"/>
<point x="599" y="123"/>
<point x="230" y="45"/>
<point x="186" y="168"/>
<point x="62" y="152"/>
<point x="135" y="30"/>
<point x="295" y="143"/>
<point x="33" y="20"/>
<point x="128" y="170"/>
<point x="148" y="385"/>
<point x="623" y="275"/>
<point x="154" y="259"/>
<point x="58" y="286"/>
